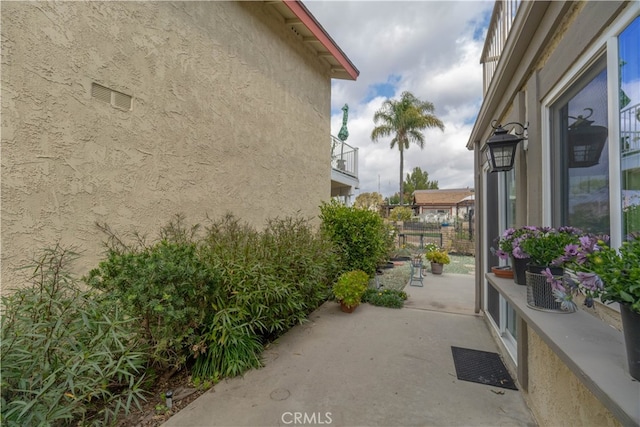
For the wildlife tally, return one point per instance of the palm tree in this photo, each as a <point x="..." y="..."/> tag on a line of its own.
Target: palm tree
<point x="405" y="119"/>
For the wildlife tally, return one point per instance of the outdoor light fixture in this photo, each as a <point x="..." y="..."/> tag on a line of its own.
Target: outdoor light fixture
<point x="502" y="146"/>
<point x="585" y="141"/>
<point x="487" y="154"/>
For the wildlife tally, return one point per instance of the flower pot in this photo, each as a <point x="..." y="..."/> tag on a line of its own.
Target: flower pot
<point x="631" y="331"/>
<point x="503" y="272"/>
<point x="436" y="268"/>
<point x="346" y="308"/>
<point x="539" y="291"/>
<point x="519" y="268"/>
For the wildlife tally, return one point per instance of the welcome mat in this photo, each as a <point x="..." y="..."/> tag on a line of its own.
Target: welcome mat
<point x="481" y="367"/>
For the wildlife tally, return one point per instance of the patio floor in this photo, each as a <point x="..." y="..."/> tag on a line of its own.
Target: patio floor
<point x="375" y="367"/>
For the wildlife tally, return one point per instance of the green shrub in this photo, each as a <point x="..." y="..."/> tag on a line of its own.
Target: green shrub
<point x="270" y="281"/>
<point x="167" y="285"/>
<point x="350" y="287"/>
<point x="68" y="356"/>
<point x="391" y="298"/>
<point x="359" y="235"/>
<point x="219" y="293"/>
<point x="401" y="213"/>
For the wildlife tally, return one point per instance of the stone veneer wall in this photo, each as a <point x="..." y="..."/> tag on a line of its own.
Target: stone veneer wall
<point x="230" y="113"/>
<point x="556" y="396"/>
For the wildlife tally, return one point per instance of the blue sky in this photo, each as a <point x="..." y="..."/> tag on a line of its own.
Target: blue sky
<point x="430" y="48"/>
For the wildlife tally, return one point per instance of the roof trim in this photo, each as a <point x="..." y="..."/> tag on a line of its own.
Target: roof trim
<point x="310" y="22"/>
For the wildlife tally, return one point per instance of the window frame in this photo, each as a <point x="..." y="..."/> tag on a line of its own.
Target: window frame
<point x="606" y="45"/>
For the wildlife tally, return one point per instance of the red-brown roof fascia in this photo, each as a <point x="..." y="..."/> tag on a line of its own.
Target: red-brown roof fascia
<point x="323" y="37"/>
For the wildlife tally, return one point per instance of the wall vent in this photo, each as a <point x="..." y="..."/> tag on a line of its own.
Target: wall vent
<point x="116" y="99"/>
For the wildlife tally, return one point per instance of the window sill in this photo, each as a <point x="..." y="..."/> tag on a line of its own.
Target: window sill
<point x="591" y="349"/>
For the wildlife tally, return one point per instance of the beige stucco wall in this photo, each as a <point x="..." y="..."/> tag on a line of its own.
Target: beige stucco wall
<point x="231" y="112"/>
<point x="555" y="395"/>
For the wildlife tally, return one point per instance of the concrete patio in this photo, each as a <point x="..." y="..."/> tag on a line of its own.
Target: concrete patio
<point x="375" y="367"/>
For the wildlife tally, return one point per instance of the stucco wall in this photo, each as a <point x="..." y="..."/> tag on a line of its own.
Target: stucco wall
<point x="556" y="396"/>
<point x="231" y="112"/>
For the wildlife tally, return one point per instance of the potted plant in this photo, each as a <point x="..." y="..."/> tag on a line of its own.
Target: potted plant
<point x="509" y="248"/>
<point x="614" y="276"/>
<point x="437" y="257"/>
<point x="546" y="246"/>
<point x="349" y="289"/>
<point x="547" y="287"/>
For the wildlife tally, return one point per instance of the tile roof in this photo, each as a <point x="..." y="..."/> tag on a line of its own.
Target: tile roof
<point x="442" y="197"/>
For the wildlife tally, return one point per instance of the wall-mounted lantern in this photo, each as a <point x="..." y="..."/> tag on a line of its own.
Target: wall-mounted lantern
<point x="585" y="141"/>
<point x="502" y="146"/>
<point x="487" y="154"/>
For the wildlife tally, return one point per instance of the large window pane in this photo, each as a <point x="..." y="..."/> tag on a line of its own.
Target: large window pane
<point x="581" y="162"/>
<point x="629" y="60"/>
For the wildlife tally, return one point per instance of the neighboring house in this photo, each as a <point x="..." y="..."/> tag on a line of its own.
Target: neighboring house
<point x="127" y="113"/>
<point x="546" y="63"/>
<point x="445" y="204"/>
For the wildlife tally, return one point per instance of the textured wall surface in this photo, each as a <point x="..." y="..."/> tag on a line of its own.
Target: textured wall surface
<point x="230" y="113"/>
<point x="556" y="396"/>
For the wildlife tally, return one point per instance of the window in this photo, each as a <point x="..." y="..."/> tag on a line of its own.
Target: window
<point x="593" y="145"/>
<point x="629" y="82"/>
<point x="580" y="154"/>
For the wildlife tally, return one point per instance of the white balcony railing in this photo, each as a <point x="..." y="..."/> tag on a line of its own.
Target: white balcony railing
<point x="504" y="13"/>
<point x="344" y="158"/>
<point x="630" y="130"/>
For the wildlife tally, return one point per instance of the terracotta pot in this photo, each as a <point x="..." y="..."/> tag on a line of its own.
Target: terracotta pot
<point x="503" y="272"/>
<point x="346" y="308"/>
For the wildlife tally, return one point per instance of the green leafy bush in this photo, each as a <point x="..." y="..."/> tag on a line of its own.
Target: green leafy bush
<point x="278" y="275"/>
<point x="270" y="281"/>
<point x="350" y="287"/>
<point x="167" y="284"/>
<point x="211" y="297"/>
<point x="360" y="236"/>
<point x="68" y="356"/>
<point x="401" y="213"/>
<point x="391" y="298"/>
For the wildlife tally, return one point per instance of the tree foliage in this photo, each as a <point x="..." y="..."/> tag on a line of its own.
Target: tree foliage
<point x="418" y="180"/>
<point x="401" y="213"/>
<point x="370" y="201"/>
<point x="404" y="120"/>
<point x="394" y="199"/>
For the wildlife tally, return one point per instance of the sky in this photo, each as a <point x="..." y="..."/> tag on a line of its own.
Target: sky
<point x="429" y="48"/>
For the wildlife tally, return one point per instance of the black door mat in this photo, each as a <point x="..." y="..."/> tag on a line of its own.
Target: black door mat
<point x="481" y="367"/>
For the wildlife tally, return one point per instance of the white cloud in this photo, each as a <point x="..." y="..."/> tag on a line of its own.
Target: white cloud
<point x="430" y="45"/>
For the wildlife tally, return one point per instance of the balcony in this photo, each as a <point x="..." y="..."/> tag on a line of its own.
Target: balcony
<point x="630" y="130"/>
<point x="504" y="13"/>
<point x="344" y="170"/>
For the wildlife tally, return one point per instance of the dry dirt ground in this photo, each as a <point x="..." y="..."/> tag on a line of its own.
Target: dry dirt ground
<point x="154" y="411"/>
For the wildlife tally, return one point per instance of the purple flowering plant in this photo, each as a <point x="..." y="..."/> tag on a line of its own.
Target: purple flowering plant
<point x="547" y="246"/>
<point x="605" y="272"/>
<point x="563" y="290"/>
<point x="509" y="241"/>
